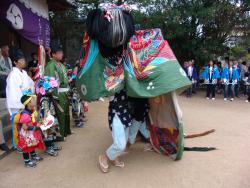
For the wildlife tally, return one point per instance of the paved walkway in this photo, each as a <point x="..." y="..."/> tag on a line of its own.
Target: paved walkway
<point x="76" y="166"/>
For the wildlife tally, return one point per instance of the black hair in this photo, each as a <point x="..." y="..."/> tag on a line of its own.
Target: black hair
<point x="113" y="34"/>
<point x="24" y="98"/>
<point x="16" y="55"/>
<point x="244" y="63"/>
<point x="32" y="54"/>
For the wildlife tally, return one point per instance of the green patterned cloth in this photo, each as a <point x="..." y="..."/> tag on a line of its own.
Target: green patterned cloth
<point x="149" y="69"/>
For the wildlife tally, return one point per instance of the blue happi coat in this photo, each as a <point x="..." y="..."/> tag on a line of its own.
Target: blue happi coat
<point x="195" y="77"/>
<point x="230" y="79"/>
<point x="214" y="76"/>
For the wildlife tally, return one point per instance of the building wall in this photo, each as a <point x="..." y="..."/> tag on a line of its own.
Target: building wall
<point x="15" y="41"/>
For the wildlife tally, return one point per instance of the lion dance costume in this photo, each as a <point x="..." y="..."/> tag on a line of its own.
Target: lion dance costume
<point x="120" y="62"/>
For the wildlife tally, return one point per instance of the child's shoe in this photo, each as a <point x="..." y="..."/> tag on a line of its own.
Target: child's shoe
<point x="30" y="164"/>
<point x="56" y="147"/>
<point x="79" y="125"/>
<point x="36" y="159"/>
<point x="51" y="152"/>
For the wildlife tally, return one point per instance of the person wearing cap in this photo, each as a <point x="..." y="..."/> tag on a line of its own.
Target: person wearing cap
<point x="55" y="68"/>
<point x="17" y="82"/>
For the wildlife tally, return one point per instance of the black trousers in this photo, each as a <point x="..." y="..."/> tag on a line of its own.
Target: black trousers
<point x="26" y="156"/>
<point x="211" y="90"/>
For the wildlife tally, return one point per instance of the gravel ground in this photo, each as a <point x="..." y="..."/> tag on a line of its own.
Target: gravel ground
<point x="76" y="165"/>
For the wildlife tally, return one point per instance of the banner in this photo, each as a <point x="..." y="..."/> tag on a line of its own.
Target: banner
<point x="29" y="18"/>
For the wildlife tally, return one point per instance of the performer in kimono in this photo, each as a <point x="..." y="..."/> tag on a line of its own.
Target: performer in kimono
<point x="17" y="82"/>
<point x="230" y="77"/>
<point x="56" y="69"/>
<point x="193" y="77"/>
<point x="27" y="132"/>
<point x="211" y="74"/>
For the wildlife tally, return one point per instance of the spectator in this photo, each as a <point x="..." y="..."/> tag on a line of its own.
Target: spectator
<point x="5" y="68"/>
<point x="17" y="82"/>
<point x="237" y="85"/>
<point x="32" y="65"/>
<point x="211" y="74"/>
<point x="5" y="61"/>
<point x="55" y="68"/>
<point x="3" y="146"/>
<point x="244" y="72"/>
<point x="230" y="77"/>
<point x="192" y="75"/>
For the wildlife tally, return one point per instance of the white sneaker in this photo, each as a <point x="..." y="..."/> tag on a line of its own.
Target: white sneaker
<point x="232" y="99"/>
<point x="225" y="99"/>
<point x="213" y="99"/>
<point x="207" y="98"/>
<point x="246" y="100"/>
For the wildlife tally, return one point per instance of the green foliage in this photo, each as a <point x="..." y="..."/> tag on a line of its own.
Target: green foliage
<point x="198" y="29"/>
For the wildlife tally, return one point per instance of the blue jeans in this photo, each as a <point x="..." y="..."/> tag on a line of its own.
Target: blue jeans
<point x="121" y="135"/>
<point x="133" y="130"/>
<point x="229" y="91"/>
<point x="120" y="138"/>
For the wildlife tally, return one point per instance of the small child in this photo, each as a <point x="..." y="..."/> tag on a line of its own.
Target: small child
<point x="28" y="133"/>
<point x="79" y="107"/>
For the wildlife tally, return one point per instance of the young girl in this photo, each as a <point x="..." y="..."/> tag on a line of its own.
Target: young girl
<point x="211" y="74"/>
<point x="27" y="132"/>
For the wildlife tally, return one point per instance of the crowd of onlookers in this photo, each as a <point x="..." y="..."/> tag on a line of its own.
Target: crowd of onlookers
<point x="230" y="77"/>
<point x="32" y="100"/>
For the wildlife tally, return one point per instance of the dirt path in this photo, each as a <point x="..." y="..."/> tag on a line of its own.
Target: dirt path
<point x="76" y="166"/>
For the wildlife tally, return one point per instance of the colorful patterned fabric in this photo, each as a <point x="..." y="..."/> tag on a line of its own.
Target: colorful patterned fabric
<point x="166" y="131"/>
<point x="152" y="68"/>
<point x="28" y="140"/>
<point x="98" y="77"/>
<point x="165" y="140"/>
<point x="149" y="68"/>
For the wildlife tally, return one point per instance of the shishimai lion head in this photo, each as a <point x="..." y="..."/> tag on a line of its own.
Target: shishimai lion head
<point x="112" y="26"/>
